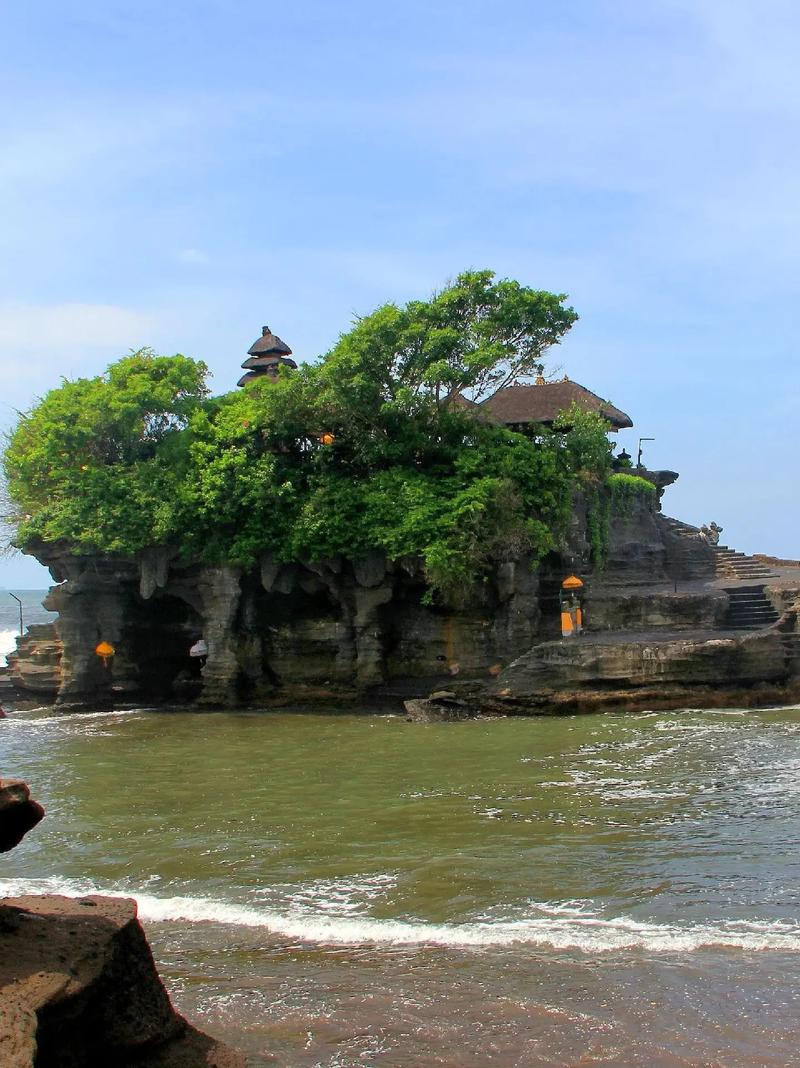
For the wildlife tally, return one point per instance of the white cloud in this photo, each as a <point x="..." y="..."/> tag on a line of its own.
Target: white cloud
<point x="40" y="342"/>
<point x="52" y="328"/>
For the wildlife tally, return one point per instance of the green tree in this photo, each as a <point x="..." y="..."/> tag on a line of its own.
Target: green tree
<point x="358" y="451"/>
<point x="384" y="389"/>
<point x="95" y="462"/>
<point x="477" y="334"/>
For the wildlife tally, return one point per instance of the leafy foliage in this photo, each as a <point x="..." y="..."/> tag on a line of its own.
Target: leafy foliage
<point x="478" y="334"/>
<point x="142" y="455"/>
<point x="625" y="489"/>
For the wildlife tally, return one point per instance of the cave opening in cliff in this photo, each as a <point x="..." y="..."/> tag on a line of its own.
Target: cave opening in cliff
<point x="159" y="633"/>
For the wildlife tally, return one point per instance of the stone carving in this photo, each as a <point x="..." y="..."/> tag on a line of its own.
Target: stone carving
<point x="710" y="533"/>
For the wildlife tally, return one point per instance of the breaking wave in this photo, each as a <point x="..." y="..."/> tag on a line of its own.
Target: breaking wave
<point x="8" y="643"/>
<point x="549" y="925"/>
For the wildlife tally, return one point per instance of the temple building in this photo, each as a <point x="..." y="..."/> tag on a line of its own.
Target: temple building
<point x="519" y="405"/>
<point x="265" y="356"/>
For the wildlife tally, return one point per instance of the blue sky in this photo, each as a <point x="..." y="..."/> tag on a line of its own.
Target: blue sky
<point x="177" y="175"/>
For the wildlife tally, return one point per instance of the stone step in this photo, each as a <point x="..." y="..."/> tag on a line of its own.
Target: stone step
<point x="734" y="612"/>
<point x="743" y="566"/>
<point x="752" y="609"/>
<point x="737" y="619"/>
<point x="742" y="576"/>
<point x="749" y="608"/>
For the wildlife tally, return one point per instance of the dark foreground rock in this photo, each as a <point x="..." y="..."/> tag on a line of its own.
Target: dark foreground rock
<point x="18" y="813"/>
<point x="79" y="989"/>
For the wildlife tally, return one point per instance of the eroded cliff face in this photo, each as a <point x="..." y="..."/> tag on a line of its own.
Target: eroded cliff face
<point x="332" y="629"/>
<point x="338" y="629"/>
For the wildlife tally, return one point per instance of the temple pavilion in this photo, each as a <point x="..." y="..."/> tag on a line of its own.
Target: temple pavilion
<point x="519" y="405"/>
<point x="265" y="356"/>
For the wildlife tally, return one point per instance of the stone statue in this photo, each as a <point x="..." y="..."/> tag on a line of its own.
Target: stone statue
<point x="710" y="533"/>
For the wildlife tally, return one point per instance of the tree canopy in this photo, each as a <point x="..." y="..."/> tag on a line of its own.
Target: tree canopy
<point x="361" y="450"/>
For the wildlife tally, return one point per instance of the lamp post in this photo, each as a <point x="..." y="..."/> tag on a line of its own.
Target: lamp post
<point x="639" y="455"/>
<point x="21" y="620"/>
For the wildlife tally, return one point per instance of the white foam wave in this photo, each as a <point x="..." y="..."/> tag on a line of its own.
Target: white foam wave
<point x="551" y="926"/>
<point x="8" y="643"/>
<point x="27" y="718"/>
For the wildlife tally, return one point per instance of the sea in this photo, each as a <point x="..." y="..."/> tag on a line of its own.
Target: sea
<point x="352" y="889"/>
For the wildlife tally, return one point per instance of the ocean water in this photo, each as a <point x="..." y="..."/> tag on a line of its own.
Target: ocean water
<point x="356" y="890"/>
<point x="32" y="612"/>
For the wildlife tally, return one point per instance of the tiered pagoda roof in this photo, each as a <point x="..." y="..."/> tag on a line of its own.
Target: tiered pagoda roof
<point x="265" y="356"/>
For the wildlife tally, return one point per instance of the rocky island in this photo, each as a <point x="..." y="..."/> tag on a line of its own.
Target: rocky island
<point x="392" y="524"/>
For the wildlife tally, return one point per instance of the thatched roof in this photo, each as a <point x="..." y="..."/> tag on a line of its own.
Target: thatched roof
<point x="253" y="363"/>
<point x="544" y="401"/>
<point x="265" y="357"/>
<point x="269" y="343"/>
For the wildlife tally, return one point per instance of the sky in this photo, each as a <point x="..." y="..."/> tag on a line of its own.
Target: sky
<point x="177" y="175"/>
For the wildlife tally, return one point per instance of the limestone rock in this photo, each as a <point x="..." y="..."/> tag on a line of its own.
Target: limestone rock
<point x="154" y="570"/>
<point x="78" y="989"/>
<point x="36" y="665"/>
<point x="370" y="569"/>
<point x="269" y="572"/>
<point x="220" y="590"/>
<point x="439" y="708"/>
<point x="610" y="607"/>
<point x="335" y="629"/>
<point x="645" y="671"/>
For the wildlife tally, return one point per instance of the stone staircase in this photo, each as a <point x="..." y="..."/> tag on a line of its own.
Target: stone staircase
<point x="728" y="563"/>
<point x="688" y="558"/>
<point x="748" y="609"/>
<point x="732" y="564"/>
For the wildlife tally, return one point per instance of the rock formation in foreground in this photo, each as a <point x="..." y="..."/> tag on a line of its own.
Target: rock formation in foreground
<point x="79" y="989"/>
<point x="19" y="813"/>
<point x="78" y="986"/>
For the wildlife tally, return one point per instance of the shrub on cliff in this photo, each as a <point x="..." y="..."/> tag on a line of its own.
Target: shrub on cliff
<point x="362" y="450"/>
